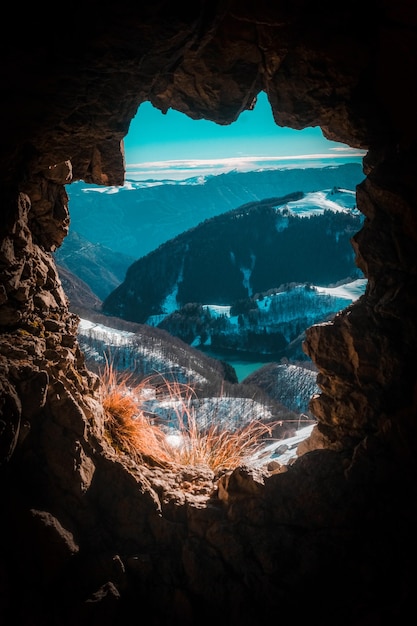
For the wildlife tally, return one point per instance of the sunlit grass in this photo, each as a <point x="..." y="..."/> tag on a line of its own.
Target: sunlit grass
<point x="213" y="446"/>
<point x="132" y="432"/>
<point x="127" y="428"/>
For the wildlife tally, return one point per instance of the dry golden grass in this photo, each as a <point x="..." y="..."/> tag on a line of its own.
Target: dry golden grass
<point x="214" y="447"/>
<point x="127" y="428"/>
<point x="131" y="432"/>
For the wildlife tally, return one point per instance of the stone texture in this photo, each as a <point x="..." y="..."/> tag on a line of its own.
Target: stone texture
<point x="88" y="536"/>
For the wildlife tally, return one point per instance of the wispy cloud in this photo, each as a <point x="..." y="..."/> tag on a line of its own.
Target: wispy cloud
<point x="185" y="168"/>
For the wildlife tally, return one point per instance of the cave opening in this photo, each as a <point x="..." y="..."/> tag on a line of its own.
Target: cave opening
<point x="90" y="537"/>
<point x="312" y="151"/>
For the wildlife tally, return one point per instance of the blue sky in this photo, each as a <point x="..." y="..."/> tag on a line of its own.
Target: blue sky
<point x="175" y="146"/>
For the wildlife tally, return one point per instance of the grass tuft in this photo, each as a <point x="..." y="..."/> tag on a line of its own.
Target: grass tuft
<point x="131" y="431"/>
<point x="127" y="427"/>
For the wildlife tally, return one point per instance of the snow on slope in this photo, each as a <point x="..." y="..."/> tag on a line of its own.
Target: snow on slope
<point x="338" y="298"/>
<point x="317" y="202"/>
<point x="131" y="351"/>
<point x="112" y="336"/>
<point x="291" y="309"/>
<point x="349" y="291"/>
<point x="342" y="295"/>
<point x="228" y="413"/>
<point x="283" y="450"/>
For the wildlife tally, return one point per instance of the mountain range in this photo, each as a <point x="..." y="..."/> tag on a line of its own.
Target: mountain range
<point x="152" y="354"/>
<point x="248" y="279"/>
<point x="113" y="226"/>
<point x="272" y="324"/>
<point x="101" y="268"/>
<point x="251" y="279"/>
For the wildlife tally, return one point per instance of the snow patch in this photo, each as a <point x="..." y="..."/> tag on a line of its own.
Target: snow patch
<point x="316" y="202"/>
<point x="351" y="291"/>
<point x="283" y="450"/>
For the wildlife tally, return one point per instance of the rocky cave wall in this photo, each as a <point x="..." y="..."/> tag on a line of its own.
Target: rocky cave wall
<point x="88" y="536"/>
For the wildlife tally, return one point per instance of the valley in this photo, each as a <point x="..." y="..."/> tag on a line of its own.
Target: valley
<point x="224" y="304"/>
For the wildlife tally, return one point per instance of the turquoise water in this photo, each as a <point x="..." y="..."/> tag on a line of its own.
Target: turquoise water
<point x="242" y="367"/>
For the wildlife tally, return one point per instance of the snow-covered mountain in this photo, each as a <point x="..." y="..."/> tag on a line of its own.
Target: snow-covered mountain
<point x="138" y="217"/>
<point x="111" y="227"/>
<point x="218" y="400"/>
<point x="261" y="259"/>
<point x="144" y="352"/>
<point x="283" y="389"/>
<point x="277" y="380"/>
<point x="270" y="320"/>
<point x="271" y="324"/>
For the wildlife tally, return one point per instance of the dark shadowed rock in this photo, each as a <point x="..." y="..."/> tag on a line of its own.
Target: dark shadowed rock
<point x="90" y="535"/>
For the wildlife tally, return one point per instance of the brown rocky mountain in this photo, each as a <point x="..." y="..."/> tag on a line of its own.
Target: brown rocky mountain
<point x="94" y="536"/>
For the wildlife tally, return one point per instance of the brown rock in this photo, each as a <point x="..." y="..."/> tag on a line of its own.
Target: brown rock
<point x="338" y="525"/>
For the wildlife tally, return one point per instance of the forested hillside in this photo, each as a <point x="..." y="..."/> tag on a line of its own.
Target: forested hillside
<point x="101" y="268"/>
<point x="254" y="248"/>
<point x="139" y="217"/>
